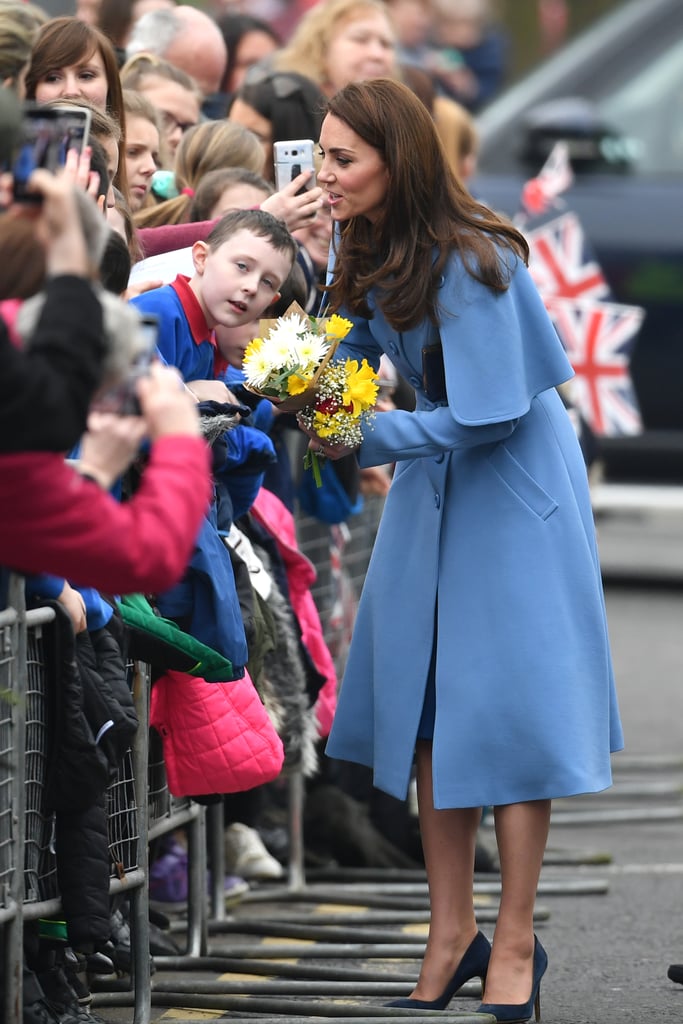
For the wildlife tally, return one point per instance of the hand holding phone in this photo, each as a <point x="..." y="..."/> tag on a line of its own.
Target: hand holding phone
<point x="291" y="158"/>
<point x="121" y="397"/>
<point x="47" y="135"/>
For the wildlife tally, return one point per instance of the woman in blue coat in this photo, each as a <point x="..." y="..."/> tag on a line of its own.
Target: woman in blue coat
<point x="480" y="648"/>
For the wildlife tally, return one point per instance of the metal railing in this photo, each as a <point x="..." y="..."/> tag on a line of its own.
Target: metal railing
<point x="139" y="805"/>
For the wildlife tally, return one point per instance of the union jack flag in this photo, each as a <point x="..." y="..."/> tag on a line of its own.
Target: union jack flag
<point x="599" y="338"/>
<point x="561" y="262"/>
<point x="541" y="193"/>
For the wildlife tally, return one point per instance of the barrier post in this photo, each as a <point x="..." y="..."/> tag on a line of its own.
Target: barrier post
<point x="12" y="804"/>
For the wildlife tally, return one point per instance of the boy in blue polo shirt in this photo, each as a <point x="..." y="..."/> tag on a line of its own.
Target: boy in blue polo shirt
<point x="238" y="272"/>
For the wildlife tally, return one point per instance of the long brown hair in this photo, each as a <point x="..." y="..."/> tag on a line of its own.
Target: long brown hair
<point x="427" y="213"/>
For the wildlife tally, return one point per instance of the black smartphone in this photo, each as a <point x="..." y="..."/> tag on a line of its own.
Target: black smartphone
<point x="122" y="397"/>
<point x="433" y="373"/>
<point x="46" y="136"/>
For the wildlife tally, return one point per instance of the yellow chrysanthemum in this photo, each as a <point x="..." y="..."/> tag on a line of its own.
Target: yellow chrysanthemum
<point x="296" y="385"/>
<point x="253" y="347"/>
<point x="338" y="327"/>
<point x="361" y="386"/>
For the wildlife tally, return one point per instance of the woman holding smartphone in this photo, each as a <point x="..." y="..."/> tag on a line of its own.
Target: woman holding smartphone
<point x="480" y="648"/>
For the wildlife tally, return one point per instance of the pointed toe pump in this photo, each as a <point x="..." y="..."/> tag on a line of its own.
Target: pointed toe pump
<point x="474" y="964"/>
<point x="519" y="1013"/>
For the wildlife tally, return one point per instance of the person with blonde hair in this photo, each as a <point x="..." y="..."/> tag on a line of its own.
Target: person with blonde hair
<point x="458" y="133"/>
<point x="205" y="147"/>
<point x="341" y="41"/>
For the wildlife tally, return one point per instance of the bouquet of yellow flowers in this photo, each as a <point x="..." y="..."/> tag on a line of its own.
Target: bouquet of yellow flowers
<point x="293" y="366"/>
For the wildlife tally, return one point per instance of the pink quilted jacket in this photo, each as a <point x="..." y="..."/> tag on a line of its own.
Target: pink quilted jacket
<point x="279" y="522"/>
<point x="216" y="737"/>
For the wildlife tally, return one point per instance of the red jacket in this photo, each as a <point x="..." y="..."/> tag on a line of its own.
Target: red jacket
<point x="53" y="520"/>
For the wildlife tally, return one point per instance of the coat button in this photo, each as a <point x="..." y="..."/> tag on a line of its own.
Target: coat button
<point x="437" y="500"/>
<point x="440" y="457"/>
<point x="416" y="382"/>
<point x="441" y="282"/>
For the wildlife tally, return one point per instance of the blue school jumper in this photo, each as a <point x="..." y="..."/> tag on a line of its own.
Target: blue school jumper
<point x="185" y="339"/>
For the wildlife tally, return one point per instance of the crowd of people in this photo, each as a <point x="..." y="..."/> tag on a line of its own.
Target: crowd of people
<point x="149" y="497"/>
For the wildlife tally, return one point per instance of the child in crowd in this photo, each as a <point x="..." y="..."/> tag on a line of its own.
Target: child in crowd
<point x="226" y="189"/>
<point x="238" y="272"/>
<point x="143" y="148"/>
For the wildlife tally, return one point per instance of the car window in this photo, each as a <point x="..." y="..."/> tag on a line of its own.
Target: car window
<point x="647" y="115"/>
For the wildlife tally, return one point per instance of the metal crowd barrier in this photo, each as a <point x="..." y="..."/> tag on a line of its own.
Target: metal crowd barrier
<point x="139" y="805"/>
<point x="139" y="808"/>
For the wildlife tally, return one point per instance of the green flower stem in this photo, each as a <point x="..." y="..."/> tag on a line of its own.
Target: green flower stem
<point x="313" y="461"/>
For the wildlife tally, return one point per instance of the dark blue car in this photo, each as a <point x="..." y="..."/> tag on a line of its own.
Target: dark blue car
<point x="616" y="95"/>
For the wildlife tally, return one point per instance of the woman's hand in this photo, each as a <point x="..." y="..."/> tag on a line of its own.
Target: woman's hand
<point x="319" y="446"/>
<point x="295" y="210"/>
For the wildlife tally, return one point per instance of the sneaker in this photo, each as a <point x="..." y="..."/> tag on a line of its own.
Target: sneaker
<point x="168" y="880"/>
<point x="247" y="856"/>
<point x="64" y="1001"/>
<point x="168" y="874"/>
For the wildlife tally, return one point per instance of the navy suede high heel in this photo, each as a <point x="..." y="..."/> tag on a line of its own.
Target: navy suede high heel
<point x="519" y="1013"/>
<point x="474" y="964"/>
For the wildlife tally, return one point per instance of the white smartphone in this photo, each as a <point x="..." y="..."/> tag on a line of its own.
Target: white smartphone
<point x="291" y="158"/>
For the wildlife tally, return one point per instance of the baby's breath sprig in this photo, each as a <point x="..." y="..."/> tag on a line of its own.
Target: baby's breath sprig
<point x="346" y="396"/>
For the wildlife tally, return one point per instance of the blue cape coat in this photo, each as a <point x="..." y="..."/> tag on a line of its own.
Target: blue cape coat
<point x="487" y="543"/>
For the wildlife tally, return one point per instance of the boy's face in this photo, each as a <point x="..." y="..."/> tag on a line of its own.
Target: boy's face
<point x="232" y="341"/>
<point x="238" y="280"/>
